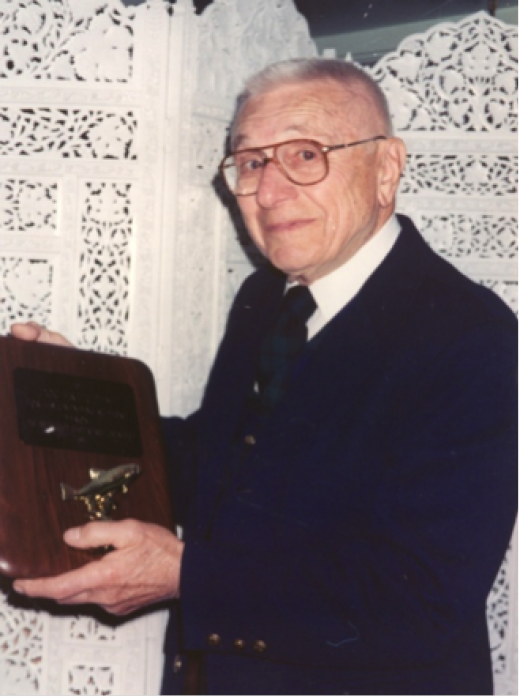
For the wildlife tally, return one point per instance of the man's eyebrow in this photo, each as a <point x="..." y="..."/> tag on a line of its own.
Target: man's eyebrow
<point x="299" y="130"/>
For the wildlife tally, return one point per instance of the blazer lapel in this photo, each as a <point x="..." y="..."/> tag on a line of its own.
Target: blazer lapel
<point x="332" y="376"/>
<point x="233" y="374"/>
<point x="230" y="384"/>
<point x="350" y="351"/>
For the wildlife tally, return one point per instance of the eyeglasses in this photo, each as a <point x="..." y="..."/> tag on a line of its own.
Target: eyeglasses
<point x="301" y="161"/>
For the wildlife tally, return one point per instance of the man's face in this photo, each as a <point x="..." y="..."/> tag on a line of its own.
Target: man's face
<point x="308" y="231"/>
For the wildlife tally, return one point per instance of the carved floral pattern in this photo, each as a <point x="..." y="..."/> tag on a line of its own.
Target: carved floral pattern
<point x="497" y="610"/>
<point x="76" y="133"/>
<point x="466" y="235"/>
<point x="104" y="266"/>
<point x="87" y="629"/>
<point x="460" y="174"/>
<point x="21" y="636"/>
<point x="90" y="679"/>
<point x="27" y="206"/>
<point x="67" y="210"/>
<point x="25" y="290"/>
<point x="66" y="40"/>
<point x="454" y="77"/>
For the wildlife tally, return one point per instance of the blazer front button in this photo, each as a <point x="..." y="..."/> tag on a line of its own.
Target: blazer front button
<point x="177" y="663"/>
<point x="250" y="440"/>
<point x="259" y="646"/>
<point x="214" y="640"/>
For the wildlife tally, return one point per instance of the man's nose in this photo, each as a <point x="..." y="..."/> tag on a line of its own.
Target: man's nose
<point x="274" y="187"/>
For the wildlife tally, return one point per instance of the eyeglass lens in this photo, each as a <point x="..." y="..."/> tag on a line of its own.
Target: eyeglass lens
<point x="302" y="161"/>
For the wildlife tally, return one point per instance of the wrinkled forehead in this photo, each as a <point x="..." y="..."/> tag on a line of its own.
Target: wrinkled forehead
<point x="303" y="107"/>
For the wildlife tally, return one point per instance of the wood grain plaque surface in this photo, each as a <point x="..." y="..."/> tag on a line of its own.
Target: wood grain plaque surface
<point x="64" y="411"/>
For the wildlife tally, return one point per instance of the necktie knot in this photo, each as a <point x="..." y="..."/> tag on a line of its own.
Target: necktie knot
<point x="283" y="344"/>
<point x="298" y="303"/>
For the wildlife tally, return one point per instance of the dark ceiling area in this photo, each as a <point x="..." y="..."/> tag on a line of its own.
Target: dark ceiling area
<point x="335" y="16"/>
<point x="328" y="17"/>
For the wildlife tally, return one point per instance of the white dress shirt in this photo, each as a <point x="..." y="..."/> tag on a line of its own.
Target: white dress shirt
<point x="332" y="292"/>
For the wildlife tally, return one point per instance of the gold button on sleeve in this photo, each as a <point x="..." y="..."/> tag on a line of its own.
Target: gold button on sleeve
<point x="259" y="646"/>
<point x="214" y="640"/>
<point x="177" y="663"/>
<point x="239" y="644"/>
<point x="250" y="440"/>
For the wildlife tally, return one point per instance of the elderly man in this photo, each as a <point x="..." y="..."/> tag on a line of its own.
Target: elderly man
<point x="347" y="487"/>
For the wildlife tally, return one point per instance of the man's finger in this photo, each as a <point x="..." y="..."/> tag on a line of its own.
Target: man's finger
<point x="32" y="331"/>
<point x="66" y="586"/>
<point x="103" y="534"/>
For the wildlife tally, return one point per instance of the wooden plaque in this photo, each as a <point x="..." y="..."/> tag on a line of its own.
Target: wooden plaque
<point x="63" y="413"/>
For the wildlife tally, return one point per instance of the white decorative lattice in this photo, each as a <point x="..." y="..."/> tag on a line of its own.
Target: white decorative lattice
<point x="25" y="290"/>
<point x="86" y="629"/>
<point x="454" y="77"/>
<point x="81" y="91"/>
<point x="28" y="206"/>
<point x="89" y="679"/>
<point x="66" y="132"/>
<point x="21" y="639"/>
<point x="104" y="266"/>
<point x="59" y="40"/>
<point x="471" y="235"/>
<point x="499" y="619"/>
<point x="461" y="174"/>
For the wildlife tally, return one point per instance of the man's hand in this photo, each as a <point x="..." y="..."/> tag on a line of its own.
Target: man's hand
<point x="32" y="331"/>
<point x="144" y="568"/>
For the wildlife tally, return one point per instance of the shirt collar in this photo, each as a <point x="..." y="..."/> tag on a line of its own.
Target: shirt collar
<point x="334" y="291"/>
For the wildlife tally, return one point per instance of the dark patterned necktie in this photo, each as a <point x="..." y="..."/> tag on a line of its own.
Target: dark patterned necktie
<point x="283" y="344"/>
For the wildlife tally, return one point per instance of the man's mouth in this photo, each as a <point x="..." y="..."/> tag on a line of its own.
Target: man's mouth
<point x="280" y="227"/>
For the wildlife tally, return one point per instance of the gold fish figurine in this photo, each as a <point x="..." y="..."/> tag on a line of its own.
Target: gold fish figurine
<point x="98" y="494"/>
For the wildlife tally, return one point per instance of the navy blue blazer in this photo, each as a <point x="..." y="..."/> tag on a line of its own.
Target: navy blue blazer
<point x="352" y="548"/>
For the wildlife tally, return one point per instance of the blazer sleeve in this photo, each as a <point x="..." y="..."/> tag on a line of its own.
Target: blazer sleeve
<point x="180" y="439"/>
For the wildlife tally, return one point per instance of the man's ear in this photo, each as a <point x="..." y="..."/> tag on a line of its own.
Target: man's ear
<point x="391" y="165"/>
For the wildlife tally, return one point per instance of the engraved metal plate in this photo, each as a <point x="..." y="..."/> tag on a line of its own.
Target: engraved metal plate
<point x="67" y="411"/>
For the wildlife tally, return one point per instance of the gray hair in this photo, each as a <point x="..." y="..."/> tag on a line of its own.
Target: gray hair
<point x="302" y="70"/>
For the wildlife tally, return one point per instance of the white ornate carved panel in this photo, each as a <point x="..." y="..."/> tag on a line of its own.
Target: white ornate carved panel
<point x="81" y="164"/>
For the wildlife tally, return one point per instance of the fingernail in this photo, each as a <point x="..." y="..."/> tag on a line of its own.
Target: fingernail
<point x="72" y="535"/>
<point x="18" y="587"/>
